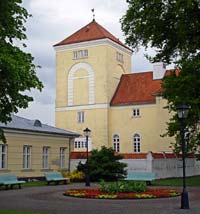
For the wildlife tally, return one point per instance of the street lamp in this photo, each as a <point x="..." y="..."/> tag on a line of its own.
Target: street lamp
<point x="87" y="178"/>
<point x="183" y="111"/>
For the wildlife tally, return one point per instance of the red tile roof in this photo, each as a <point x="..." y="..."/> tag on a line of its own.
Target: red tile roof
<point x="136" y="88"/>
<point x="92" y="31"/>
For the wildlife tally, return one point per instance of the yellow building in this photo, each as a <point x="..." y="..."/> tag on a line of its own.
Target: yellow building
<point x="33" y="148"/>
<point x="95" y="88"/>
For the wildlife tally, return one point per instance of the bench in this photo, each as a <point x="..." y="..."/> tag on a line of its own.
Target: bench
<point x="10" y="179"/>
<point x="140" y="176"/>
<point x="55" y="177"/>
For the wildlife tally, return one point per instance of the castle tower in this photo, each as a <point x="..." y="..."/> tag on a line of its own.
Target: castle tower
<point x="89" y="64"/>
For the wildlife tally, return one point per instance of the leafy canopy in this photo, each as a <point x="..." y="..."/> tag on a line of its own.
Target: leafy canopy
<point x="17" y="71"/>
<point x="104" y="164"/>
<point x="172" y="28"/>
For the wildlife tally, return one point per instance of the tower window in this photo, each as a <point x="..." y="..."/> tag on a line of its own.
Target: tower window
<point x="136" y="112"/>
<point x="80" y="54"/>
<point x="119" y="57"/>
<point x="80" y="116"/>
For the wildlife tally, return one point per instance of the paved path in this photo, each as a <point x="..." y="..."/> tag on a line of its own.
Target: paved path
<point x="50" y="199"/>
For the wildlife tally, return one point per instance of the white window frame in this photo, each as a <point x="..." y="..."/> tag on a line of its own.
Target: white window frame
<point x="27" y="157"/>
<point x="80" y="143"/>
<point x="119" y="57"/>
<point x="81" y="116"/>
<point x="80" y="54"/>
<point x="45" y="157"/>
<point x="3" y="156"/>
<point x="136" y="112"/>
<point x="136" y="143"/>
<point x="116" y="143"/>
<point x="62" y="157"/>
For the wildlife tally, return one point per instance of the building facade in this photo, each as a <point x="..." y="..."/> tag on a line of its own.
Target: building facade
<point x="96" y="89"/>
<point x="33" y="148"/>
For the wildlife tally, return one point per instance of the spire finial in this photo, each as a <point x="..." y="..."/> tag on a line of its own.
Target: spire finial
<point x="93" y="14"/>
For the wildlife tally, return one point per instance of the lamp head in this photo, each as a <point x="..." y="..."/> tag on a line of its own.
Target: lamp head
<point x="182" y="111"/>
<point x="87" y="132"/>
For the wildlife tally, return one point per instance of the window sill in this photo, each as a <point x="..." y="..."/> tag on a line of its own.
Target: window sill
<point x="5" y="170"/>
<point x="136" y="116"/>
<point x="27" y="170"/>
<point x="46" y="170"/>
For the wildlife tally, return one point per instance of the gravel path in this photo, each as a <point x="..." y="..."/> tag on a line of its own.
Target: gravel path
<point x="50" y="199"/>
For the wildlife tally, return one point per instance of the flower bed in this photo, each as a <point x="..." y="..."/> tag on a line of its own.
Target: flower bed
<point x="98" y="194"/>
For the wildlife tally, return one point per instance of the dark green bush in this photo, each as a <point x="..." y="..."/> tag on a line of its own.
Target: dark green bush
<point x="104" y="164"/>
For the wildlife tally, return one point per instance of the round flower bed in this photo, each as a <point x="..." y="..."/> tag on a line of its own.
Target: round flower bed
<point x="98" y="194"/>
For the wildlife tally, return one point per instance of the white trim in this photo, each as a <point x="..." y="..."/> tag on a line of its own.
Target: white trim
<point x="87" y="44"/>
<point x="71" y="78"/>
<point x="82" y="107"/>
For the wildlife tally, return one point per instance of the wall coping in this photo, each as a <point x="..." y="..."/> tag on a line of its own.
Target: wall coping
<point x="154" y="155"/>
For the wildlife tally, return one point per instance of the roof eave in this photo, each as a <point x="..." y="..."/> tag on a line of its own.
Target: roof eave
<point x="42" y="132"/>
<point x="133" y="103"/>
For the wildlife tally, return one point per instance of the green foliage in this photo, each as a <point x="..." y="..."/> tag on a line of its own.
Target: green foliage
<point x="173" y="29"/>
<point x="17" y="71"/>
<point x="104" y="164"/>
<point x="184" y="88"/>
<point x="122" y="186"/>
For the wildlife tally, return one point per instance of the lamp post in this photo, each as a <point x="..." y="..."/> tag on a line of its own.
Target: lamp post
<point x="87" y="178"/>
<point x="183" y="111"/>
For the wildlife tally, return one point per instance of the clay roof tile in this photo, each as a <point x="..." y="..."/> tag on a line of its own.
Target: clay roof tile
<point x="91" y="31"/>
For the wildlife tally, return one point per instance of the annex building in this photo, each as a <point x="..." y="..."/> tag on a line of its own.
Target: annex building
<point x="96" y="89"/>
<point x="33" y="148"/>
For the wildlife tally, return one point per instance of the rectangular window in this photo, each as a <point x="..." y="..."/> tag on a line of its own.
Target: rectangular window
<point x="45" y="157"/>
<point x="80" y="54"/>
<point x="80" y="117"/>
<point x="136" y="112"/>
<point x="119" y="57"/>
<point x="62" y="157"/>
<point x="26" y="157"/>
<point x="3" y="156"/>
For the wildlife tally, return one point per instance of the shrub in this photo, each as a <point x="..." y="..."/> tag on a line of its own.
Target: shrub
<point x="76" y="175"/>
<point x="104" y="164"/>
<point x="122" y="186"/>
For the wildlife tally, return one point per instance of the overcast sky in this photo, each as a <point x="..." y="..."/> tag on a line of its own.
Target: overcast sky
<point x="55" y="20"/>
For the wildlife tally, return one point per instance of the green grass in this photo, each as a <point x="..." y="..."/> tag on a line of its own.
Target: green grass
<point x="19" y="212"/>
<point x="190" y="181"/>
<point x="34" y="183"/>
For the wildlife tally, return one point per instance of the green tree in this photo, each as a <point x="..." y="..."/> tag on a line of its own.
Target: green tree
<point x="104" y="164"/>
<point x="172" y="28"/>
<point x="17" y="71"/>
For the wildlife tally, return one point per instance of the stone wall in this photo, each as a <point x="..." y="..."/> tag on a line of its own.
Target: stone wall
<point x="164" y="165"/>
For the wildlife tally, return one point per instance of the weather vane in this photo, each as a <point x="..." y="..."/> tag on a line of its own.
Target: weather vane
<point x="93" y="14"/>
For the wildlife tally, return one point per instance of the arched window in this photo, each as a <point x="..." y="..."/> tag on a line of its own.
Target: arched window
<point x="116" y="143"/>
<point x="76" y="82"/>
<point x="136" y="143"/>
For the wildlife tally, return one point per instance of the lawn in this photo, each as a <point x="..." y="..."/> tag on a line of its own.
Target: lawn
<point x="190" y="181"/>
<point x="34" y="183"/>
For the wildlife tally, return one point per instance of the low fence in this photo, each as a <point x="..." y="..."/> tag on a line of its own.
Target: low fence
<point x="163" y="164"/>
